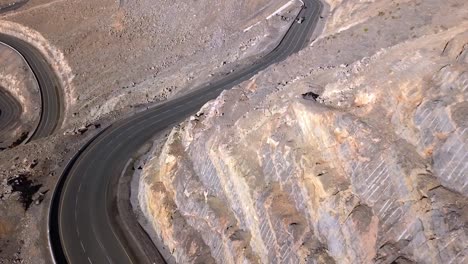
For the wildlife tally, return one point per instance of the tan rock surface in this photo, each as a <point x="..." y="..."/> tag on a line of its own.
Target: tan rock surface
<point x="374" y="171"/>
<point x="113" y="55"/>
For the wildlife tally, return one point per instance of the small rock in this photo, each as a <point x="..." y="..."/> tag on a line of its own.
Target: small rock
<point x="33" y="163"/>
<point x="82" y="129"/>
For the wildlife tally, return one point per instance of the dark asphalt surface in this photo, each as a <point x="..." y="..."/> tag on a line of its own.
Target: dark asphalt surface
<point x="10" y="110"/>
<point x="51" y="94"/>
<point x="12" y="6"/>
<point x="82" y="218"/>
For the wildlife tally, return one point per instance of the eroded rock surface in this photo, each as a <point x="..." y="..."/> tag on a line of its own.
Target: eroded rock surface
<point x="374" y="170"/>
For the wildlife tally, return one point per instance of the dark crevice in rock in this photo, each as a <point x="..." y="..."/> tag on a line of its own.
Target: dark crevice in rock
<point x="25" y="187"/>
<point x="310" y="96"/>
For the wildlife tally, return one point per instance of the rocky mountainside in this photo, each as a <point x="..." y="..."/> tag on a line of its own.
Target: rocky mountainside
<point x="352" y="151"/>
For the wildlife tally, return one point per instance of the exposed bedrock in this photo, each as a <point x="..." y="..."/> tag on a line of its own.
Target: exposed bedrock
<point x="374" y="170"/>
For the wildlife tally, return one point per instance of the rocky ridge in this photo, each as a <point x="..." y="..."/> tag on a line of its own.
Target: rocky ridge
<point x="352" y="151"/>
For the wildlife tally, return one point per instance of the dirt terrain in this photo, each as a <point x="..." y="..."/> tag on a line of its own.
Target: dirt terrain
<point x="115" y="55"/>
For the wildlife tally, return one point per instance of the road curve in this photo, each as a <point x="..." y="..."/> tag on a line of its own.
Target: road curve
<point x="10" y="110"/>
<point x="49" y="85"/>
<point x="12" y="6"/>
<point x="82" y="225"/>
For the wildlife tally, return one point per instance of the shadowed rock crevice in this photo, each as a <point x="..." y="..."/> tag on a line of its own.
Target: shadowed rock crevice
<point x="25" y="187"/>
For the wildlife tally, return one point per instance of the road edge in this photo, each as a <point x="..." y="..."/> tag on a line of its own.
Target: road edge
<point x="53" y="237"/>
<point x="36" y="126"/>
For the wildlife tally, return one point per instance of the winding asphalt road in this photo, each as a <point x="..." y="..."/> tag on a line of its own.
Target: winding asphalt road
<point x="49" y="85"/>
<point x="82" y="221"/>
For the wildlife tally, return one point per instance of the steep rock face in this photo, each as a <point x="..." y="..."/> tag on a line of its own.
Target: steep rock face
<point x="374" y="170"/>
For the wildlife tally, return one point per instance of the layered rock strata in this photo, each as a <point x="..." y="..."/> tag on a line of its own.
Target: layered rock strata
<point x="363" y="160"/>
